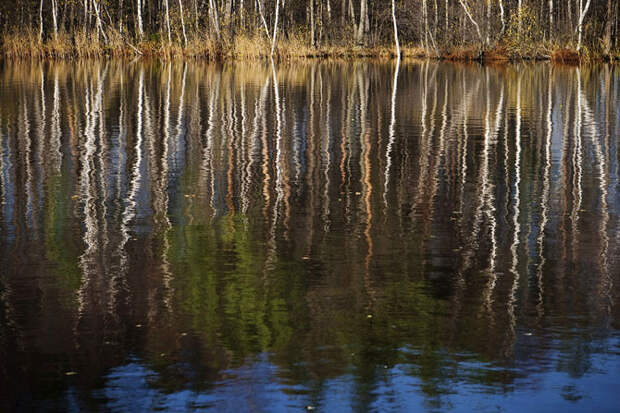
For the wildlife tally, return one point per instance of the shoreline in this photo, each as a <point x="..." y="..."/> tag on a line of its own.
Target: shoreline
<point x="25" y="47"/>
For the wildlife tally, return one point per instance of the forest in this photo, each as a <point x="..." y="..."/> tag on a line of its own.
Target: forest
<point x="457" y="29"/>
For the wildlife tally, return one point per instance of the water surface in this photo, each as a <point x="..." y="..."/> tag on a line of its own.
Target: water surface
<point x="333" y="236"/>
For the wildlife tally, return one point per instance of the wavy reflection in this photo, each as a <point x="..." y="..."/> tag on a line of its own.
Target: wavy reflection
<point x="302" y="228"/>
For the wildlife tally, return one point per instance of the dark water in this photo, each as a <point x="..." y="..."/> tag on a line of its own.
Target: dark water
<point x="338" y="237"/>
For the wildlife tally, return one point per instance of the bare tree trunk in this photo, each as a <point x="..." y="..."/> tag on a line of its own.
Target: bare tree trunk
<point x="41" y="21"/>
<point x="262" y="16"/>
<point x="472" y="19"/>
<point x="395" y="31"/>
<point x="312" y="33"/>
<point x="520" y="15"/>
<point x="275" y="28"/>
<point x="215" y="21"/>
<point x="54" y="18"/>
<point x="425" y="16"/>
<point x="182" y="22"/>
<point x="99" y="25"/>
<point x="550" y="19"/>
<point x="361" y="28"/>
<point x="352" y="16"/>
<point x="241" y="13"/>
<point x="488" y="39"/>
<point x="501" y="14"/>
<point x="582" y="15"/>
<point x="447" y="11"/>
<point x="168" y="22"/>
<point x="140" y="28"/>
<point x="607" y="38"/>
<point x="120" y="17"/>
<point x="85" y="15"/>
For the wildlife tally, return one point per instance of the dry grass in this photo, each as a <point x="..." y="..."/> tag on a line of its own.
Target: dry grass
<point x="26" y="44"/>
<point x="22" y="44"/>
<point x="466" y="53"/>
<point x="565" y="56"/>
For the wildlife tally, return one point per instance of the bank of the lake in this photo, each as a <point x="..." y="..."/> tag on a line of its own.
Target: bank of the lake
<point x="26" y="45"/>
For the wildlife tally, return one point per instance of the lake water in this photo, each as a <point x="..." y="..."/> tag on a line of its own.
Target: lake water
<point x="322" y="236"/>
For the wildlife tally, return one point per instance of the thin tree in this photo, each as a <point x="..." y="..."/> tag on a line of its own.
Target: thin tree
<point x="275" y="28"/>
<point x="472" y="19"/>
<point x="41" y="21"/>
<point x="99" y="24"/>
<point x="215" y="18"/>
<point x="182" y="22"/>
<point x="140" y="28"/>
<point x="608" y="23"/>
<point x="395" y="30"/>
<point x="168" y="21"/>
<point x="501" y="15"/>
<point x="54" y="18"/>
<point x="550" y="19"/>
<point x="262" y="17"/>
<point x="361" y="28"/>
<point x="582" y="15"/>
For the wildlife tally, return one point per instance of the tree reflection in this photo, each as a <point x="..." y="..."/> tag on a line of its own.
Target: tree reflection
<point x="338" y="221"/>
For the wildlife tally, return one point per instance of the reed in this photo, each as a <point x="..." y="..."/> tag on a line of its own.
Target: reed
<point x="254" y="45"/>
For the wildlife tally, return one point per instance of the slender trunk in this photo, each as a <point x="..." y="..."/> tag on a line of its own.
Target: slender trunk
<point x="262" y="17"/>
<point x="241" y="13"/>
<point x="352" y="16"/>
<point x="550" y="19"/>
<point x="54" y="18"/>
<point x="41" y="21"/>
<point x="395" y="31"/>
<point x="99" y="25"/>
<point x="425" y="17"/>
<point x="447" y="11"/>
<point x="168" y="22"/>
<point x="140" y="29"/>
<point x="607" y="38"/>
<point x="519" y="15"/>
<point x="85" y="15"/>
<point x="501" y="14"/>
<point x="275" y="28"/>
<point x="120" y="17"/>
<point x="215" y="21"/>
<point x="582" y="15"/>
<point x="312" y="34"/>
<point x="182" y="22"/>
<point x="488" y="39"/>
<point x="472" y="19"/>
<point x="361" y="28"/>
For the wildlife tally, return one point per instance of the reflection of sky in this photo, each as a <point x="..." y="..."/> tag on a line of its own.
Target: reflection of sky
<point x="257" y="386"/>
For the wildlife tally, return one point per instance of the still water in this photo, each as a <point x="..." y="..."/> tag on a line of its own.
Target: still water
<point x="334" y="236"/>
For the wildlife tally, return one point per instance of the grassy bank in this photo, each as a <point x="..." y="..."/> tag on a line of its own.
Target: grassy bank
<point x="27" y="45"/>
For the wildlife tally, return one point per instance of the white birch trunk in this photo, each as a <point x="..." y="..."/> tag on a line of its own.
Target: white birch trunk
<point x="550" y="19"/>
<point x="41" y="21"/>
<point x="140" y="29"/>
<point x="472" y="20"/>
<point x="275" y="28"/>
<point x="215" y="19"/>
<point x="395" y="30"/>
<point x="182" y="22"/>
<point x="54" y="18"/>
<point x="501" y="14"/>
<point x="582" y="15"/>
<point x="168" y="21"/>
<point x="99" y="24"/>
